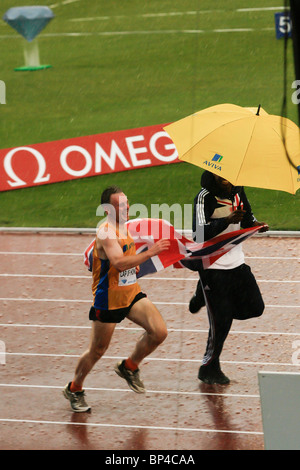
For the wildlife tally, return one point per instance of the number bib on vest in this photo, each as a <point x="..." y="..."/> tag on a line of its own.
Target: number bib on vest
<point x="127" y="277"/>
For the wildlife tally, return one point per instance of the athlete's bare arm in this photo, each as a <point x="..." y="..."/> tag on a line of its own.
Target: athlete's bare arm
<point x="109" y="248"/>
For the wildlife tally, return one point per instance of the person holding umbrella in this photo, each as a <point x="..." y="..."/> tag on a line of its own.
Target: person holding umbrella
<point x="228" y="285"/>
<point x="239" y="146"/>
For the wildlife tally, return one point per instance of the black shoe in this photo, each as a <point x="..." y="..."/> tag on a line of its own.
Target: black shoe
<point x="195" y="304"/>
<point x="198" y="300"/>
<point x="211" y="376"/>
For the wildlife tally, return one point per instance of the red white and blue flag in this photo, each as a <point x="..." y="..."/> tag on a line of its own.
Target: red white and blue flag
<point x="182" y="252"/>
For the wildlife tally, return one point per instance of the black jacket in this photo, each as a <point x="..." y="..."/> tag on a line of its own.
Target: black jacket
<point x="210" y="202"/>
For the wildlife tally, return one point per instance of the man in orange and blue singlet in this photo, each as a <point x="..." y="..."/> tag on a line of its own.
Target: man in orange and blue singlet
<point x="117" y="295"/>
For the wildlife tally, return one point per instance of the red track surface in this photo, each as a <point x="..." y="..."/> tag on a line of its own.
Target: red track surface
<point x="45" y="328"/>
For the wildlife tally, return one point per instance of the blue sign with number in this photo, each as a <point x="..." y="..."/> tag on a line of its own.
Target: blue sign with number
<point x="283" y="25"/>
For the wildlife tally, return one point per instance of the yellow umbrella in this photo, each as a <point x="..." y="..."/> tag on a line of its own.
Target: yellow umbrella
<point x="246" y="146"/>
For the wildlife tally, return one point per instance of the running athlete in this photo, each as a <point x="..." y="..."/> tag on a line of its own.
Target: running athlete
<point x="117" y="295"/>
<point x="230" y="287"/>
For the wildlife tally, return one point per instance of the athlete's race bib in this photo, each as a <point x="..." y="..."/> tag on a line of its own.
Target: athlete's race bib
<point x="127" y="277"/>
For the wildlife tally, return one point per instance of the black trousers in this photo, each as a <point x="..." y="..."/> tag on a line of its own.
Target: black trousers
<point x="230" y="294"/>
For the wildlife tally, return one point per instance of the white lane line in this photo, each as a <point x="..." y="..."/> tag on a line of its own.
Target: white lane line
<point x="123" y="390"/>
<point x="45" y="253"/>
<point x="65" y="2"/>
<point x="282" y="281"/>
<point x="157" y="359"/>
<point x="68" y="2"/>
<point x="16" y="299"/>
<point x="135" y="33"/>
<point x="20" y="299"/>
<point x="54" y="276"/>
<point x="175" y="13"/>
<point x="39" y="253"/>
<point x="233" y="30"/>
<point x="244" y="10"/>
<point x="144" y="15"/>
<point x="173" y="330"/>
<point x="145" y="278"/>
<point x="287" y="258"/>
<point x="128" y="426"/>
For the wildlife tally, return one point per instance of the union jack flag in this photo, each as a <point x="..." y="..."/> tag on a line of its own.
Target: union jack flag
<point x="182" y="253"/>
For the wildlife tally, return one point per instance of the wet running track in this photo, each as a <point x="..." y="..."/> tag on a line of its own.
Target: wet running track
<point x="45" y="296"/>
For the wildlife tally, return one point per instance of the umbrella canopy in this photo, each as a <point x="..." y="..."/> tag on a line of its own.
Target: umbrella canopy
<point x="246" y="146"/>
